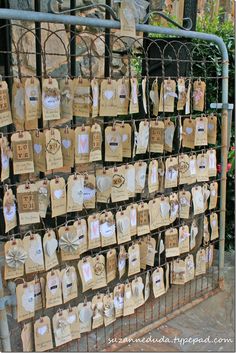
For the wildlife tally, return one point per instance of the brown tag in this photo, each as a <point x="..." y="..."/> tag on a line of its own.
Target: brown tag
<point x="206" y="233"/>
<point x="154" y="214"/>
<point x="193" y="234"/>
<point x="172" y="242"/>
<point x="202" y="167"/>
<point x="111" y="265"/>
<point x="53" y="289"/>
<point x="43" y="187"/>
<point x="157" y="136"/>
<point x="151" y="251"/>
<point x="184" y="204"/>
<point x="94" y="240"/>
<point x="50" y="250"/>
<point x="108" y="98"/>
<point x="69" y="283"/>
<point x="198" y="200"/>
<point x="25" y="301"/>
<point x="199" y="88"/>
<point x="27" y="337"/>
<point x="95" y="97"/>
<point x="104" y="184"/>
<point x="113" y="144"/>
<point x="6" y="154"/>
<point x="200" y="262"/>
<point x="67" y="96"/>
<point x="54" y="156"/>
<point x="119" y="299"/>
<point x="82" y="144"/>
<point x="178" y="272"/>
<point x="82" y="98"/>
<point x="5" y="109"/>
<point x="98" y="309"/>
<point x="95" y="143"/>
<point x="143" y="252"/>
<point x="137" y="289"/>
<point x="43" y="334"/>
<point x="212" y="171"/>
<point x="127" y="19"/>
<point x="33" y="103"/>
<point x="128" y="300"/>
<point x="213" y="195"/>
<point x="9" y="210"/>
<point x="169" y="134"/>
<point x="192" y="169"/>
<point x="18" y="104"/>
<point x="68" y="146"/>
<point x="142" y="137"/>
<point x="134" y="107"/>
<point x="22" y="153"/>
<point x="58" y="196"/>
<point x="75" y="193"/>
<point x="126" y="140"/>
<point x="33" y="246"/>
<point x="28" y="206"/>
<point x="119" y="185"/>
<point x="158" y="282"/>
<point x="132" y="212"/>
<point x="68" y="243"/>
<point x="122" y="261"/>
<point x="184" y="170"/>
<point x="155" y="97"/>
<point x="214" y="226"/>
<point x="212" y="129"/>
<point x="123" y="96"/>
<point x="73" y="319"/>
<point x="15" y="257"/>
<point x="134" y="259"/>
<point x="164" y="210"/>
<point x="51" y="99"/>
<point x="107" y="229"/>
<point x="39" y="292"/>
<point x="206" y="194"/>
<point x="109" y="309"/>
<point x="184" y="239"/>
<point x="209" y="255"/>
<point x="188" y="97"/>
<point x="99" y="272"/>
<point x="143" y="219"/>
<point x="140" y="176"/>
<point x="189" y="268"/>
<point x="188" y="134"/>
<point x="181" y="94"/>
<point x="85" y="316"/>
<point x="82" y="233"/>
<point x="201" y="131"/>
<point x="144" y="98"/>
<point x="89" y="191"/>
<point x="161" y="175"/>
<point x="153" y="182"/>
<point x="61" y="328"/>
<point x="130" y="179"/>
<point x="167" y="96"/>
<point x="147" y="287"/>
<point x="174" y="207"/>
<point x="39" y="146"/>
<point x="86" y="271"/>
<point x="171" y="175"/>
<point x="123" y="227"/>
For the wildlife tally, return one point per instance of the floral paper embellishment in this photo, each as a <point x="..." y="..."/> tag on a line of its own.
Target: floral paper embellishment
<point x="69" y="243"/>
<point x="15" y="257"/>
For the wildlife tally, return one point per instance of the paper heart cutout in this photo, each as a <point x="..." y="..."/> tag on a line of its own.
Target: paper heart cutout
<point x="210" y="126"/>
<point x="9" y="212"/>
<point x="37" y="148"/>
<point x="66" y="143"/>
<point x="58" y="193"/>
<point x="189" y="130"/>
<point x="104" y="183"/>
<point x="124" y="137"/>
<point x="51" y="246"/>
<point x="71" y="319"/>
<point x="121" y="263"/>
<point x="42" y="330"/>
<point x="169" y="134"/>
<point x="108" y="94"/>
<point x="85" y="314"/>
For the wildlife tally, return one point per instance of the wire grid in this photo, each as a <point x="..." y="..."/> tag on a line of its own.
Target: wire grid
<point x="132" y="50"/>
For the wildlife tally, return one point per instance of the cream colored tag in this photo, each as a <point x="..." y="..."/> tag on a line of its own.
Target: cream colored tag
<point x="82" y="144"/>
<point x="201" y="131"/>
<point x="107" y="229"/>
<point x="123" y="227"/>
<point x="213" y="195"/>
<point x="188" y="135"/>
<point x="6" y="154"/>
<point x="43" y="187"/>
<point x="212" y="129"/>
<point x="142" y="137"/>
<point x="104" y="184"/>
<point x="61" y="328"/>
<point x="130" y="179"/>
<point x="154" y="214"/>
<point x="193" y="234"/>
<point x="158" y="282"/>
<point x="98" y="309"/>
<point x="118" y="294"/>
<point x="206" y="233"/>
<point x="178" y="272"/>
<point x="27" y="337"/>
<point x="86" y="271"/>
<point x="188" y="98"/>
<point x="108" y="98"/>
<point x="209" y="255"/>
<point x="189" y="266"/>
<point x="123" y="96"/>
<point x="95" y="143"/>
<point x="99" y="272"/>
<point x="50" y="245"/>
<point x="198" y="200"/>
<point x="73" y="320"/>
<point x="75" y="193"/>
<point x="85" y="316"/>
<point x="109" y="309"/>
<point x="119" y="185"/>
<point x="51" y="99"/>
<point x="5" y="109"/>
<point x="33" y="105"/>
<point x="28" y="206"/>
<point x="144" y="98"/>
<point x="94" y="239"/>
<point x="22" y="153"/>
<point x="184" y="170"/>
<point x="42" y="334"/>
<point x="212" y="163"/>
<point x="134" y="259"/>
<point x="174" y="206"/>
<point x="172" y="242"/>
<point x="137" y="289"/>
<point x="206" y="195"/>
<point x="54" y="156"/>
<point x="68" y="243"/>
<point x="171" y="175"/>
<point x="127" y="19"/>
<point x="111" y="265"/>
<point x="9" y="210"/>
<point x="161" y="175"/>
<point x="25" y="301"/>
<point x="184" y="204"/>
<point x="89" y="191"/>
<point x="143" y="219"/>
<point x="39" y="148"/>
<point x="155" y="97"/>
<point x="58" y="196"/>
<point x="147" y="289"/>
<point x="122" y="261"/>
<point x="199" y="88"/>
<point x="82" y="98"/>
<point x="68" y="146"/>
<point x="214" y="226"/>
<point x="53" y="289"/>
<point x="134" y="106"/>
<point x="151" y="251"/>
<point x="200" y="262"/>
<point x="15" y="257"/>
<point x="181" y="94"/>
<point x="184" y="236"/>
<point x="169" y="134"/>
<point x="18" y="104"/>
<point x="132" y="211"/>
<point x="153" y="182"/>
<point x="142" y="242"/>
<point x="82" y="233"/>
<point x="128" y="300"/>
<point x="167" y="96"/>
<point x="95" y="97"/>
<point x="69" y="283"/>
<point x="126" y="140"/>
<point x="202" y="167"/>
<point x="67" y="96"/>
<point x="192" y="169"/>
<point x="140" y="176"/>
<point x="157" y="136"/>
<point x="33" y="246"/>
<point x="164" y="210"/>
<point x="113" y="144"/>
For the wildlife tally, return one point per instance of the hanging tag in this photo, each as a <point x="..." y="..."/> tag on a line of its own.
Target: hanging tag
<point x="107" y="229"/>
<point x="212" y="129"/>
<point x="214" y="226"/>
<point x="127" y="18"/>
<point x="67" y="97"/>
<point x="130" y="179"/>
<point x="85" y="316"/>
<point x="142" y="242"/>
<point x="28" y="206"/>
<point x="178" y="272"/>
<point x="109" y="309"/>
<point x="137" y="289"/>
<point x="181" y="94"/>
<point x="104" y="184"/>
<point x="33" y="247"/>
<point x="25" y="301"/>
<point x="206" y="194"/>
<point x="98" y="310"/>
<point x="198" y="200"/>
<point x="174" y="207"/>
<point x="53" y="289"/>
<point x="132" y="212"/>
<point x="209" y="255"/>
<point x="119" y="185"/>
<point x="27" y="337"/>
<point x="99" y="272"/>
<point x="151" y="251"/>
<point x="155" y="97"/>
<point x="73" y="320"/>
<point x="144" y="98"/>
<point x="189" y="268"/>
<point x="213" y="195"/>
<point x="122" y="261"/>
<point x="123" y="227"/>
<point x="188" y="98"/>
<point x="9" y="210"/>
<point x="134" y="259"/>
<point x="5" y="109"/>
<point x="39" y="292"/>
<point x="200" y="262"/>
<point x="167" y="96"/>
<point x="82" y="232"/>
<point x="184" y="236"/>
<point x="95" y="97"/>
<point x="184" y="170"/>
<point x="123" y="96"/>
<point x="134" y="107"/>
<point x="212" y="163"/>
<point x="169" y="134"/>
<point x="147" y="287"/>
<point x="68" y="146"/>
<point x="113" y="144"/>
<point x="32" y="99"/>
<point x="18" y="104"/>
<point x="54" y="156"/>
<point x="164" y="210"/>
<point x="126" y="132"/>
<point x="158" y="282"/>
<point x="143" y="219"/>
<point x="22" y="153"/>
<point x="51" y="99"/>
<point x="82" y="98"/>
<point x="42" y="334"/>
<point x="43" y="187"/>
<point x="89" y="196"/>
<point x="94" y="240"/>
<point x="171" y="175"/>
<point x="142" y="138"/>
<point x="153" y="182"/>
<point x="201" y="131"/>
<point x="108" y="98"/>
<point x="58" y="196"/>
<point x="172" y="242"/>
<point x="75" y="193"/>
<point x="199" y="88"/>
<point x="192" y="169"/>
<point x="157" y="137"/>
<point x="128" y="300"/>
<point x="39" y="145"/>
<point x="68" y="243"/>
<point x="15" y="257"/>
<point x="184" y="204"/>
<point x="188" y="137"/>
<point x="140" y="176"/>
<point x="193" y="234"/>
<point x="206" y="233"/>
<point x="86" y="271"/>
<point x="61" y="328"/>
<point x="95" y="143"/>
<point x="154" y="213"/>
<point x="5" y="155"/>
<point x="50" y="245"/>
<point x="202" y="167"/>
<point x="82" y="144"/>
<point x="118" y="294"/>
<point x="69" y="283"/>
<point x="161" y="175"/>
<point x="111" y="265"/>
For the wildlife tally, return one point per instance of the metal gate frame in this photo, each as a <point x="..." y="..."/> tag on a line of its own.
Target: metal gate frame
<point x="39" y="17"/>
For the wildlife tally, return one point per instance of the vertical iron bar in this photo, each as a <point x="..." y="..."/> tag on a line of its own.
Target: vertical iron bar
<point x="38" y="51"/>
<point x="72" y="43"/>
<point x="107" y="44"/>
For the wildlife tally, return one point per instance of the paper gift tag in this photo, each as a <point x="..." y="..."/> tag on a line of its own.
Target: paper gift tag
<point x="95" y="143"/>
<point x="142" y="242"/>
<point x="206" y="195"/>
<point x="193" y="234"/>
<point x="42" y="334"/>
<point x="82" y="97"/>
<point x="86" y="271"/>
<point x="181" y="94"/>
<point x="206" y="233"/>
<point x="118" y="294"/>
<point x="130" y="179"/>
<point x="53" y="289"/>
<point x="212" y="129"/>
<point x="184" y="236"/>
<point x="199" y="88"/>
<point x="144" y="98"/>
<point x="75" y="193"/>
<point x="15" y="257"/>
<point x="32" y="99"/>
<point x="104" y="184"/>
<point x="134" y="107"/>
<point x="164" y="210"/>
<point x="123" y="227"/>
<point x="140" y="176"/>
<point x="212" y="171"/>
<point x="39" y="292"/>
<point x="184" y="170"/>
<point x="202" y="167"/>
<point x="9" y="210"/>
<point x="142" y="137"/>
<point x="82" y="233"/>
<point x="113" y="144"/>
<point x="43" y="187"/>
<point x="132" y="212"/>
<point x="73" y="320"/>
<point x="151" y="251"/>
<point x="98" y="310"/>
<point x="82" y="144"/>
<point x="5" y="109"/>
<point x="147" y="287"/>
<point x="67" y="97"/>
<point x="122" y="261"/>
<point x="33" y="246"/>
<point x="24" y="301"/>
<point x="58" y="196"/>
<point x="171" y="175"/>
<point x="188" y="98"/>
<point x="95" y="97"/>
<point x="39" y="146"/>
<point x="68" y="146"/>
<point x="51" y="99"/>
<point x="128" y="300"/>
<point x="50" y="245"/>
<point x="184" y="203"/>
<point x="54" y="156"/>
<point x="137" y="289"/>
<point x="174" y="207"/>
<point x="127" y="19"/>
<point x="18" y="104"/>
<point x="172" y="242"/>
<point x="119" y="185"/>
<point x="192" y="169"/>
<point x="167" y="276"/>
<point x="109" y="309"/>
<point x="189" y="268"/>
<point x="155" y="97"/>
<point x="107" y="229"/>
<point x="5" y="155"/>
<point x="126" y="132"/>
<point x="68" y="243"/>
<point x="161" y="175"/>
<point x="200" y="262"/>
<point x="134" y="260"/>
<point x="108" y="98"/>
<point x="214" y="226"/>
<point x="111" y="265"/>
<point x="157" y="136"/>
<point x="201" y="131"/>
<point x="143" y="219"/>
<point x="155" y="220"/>
<point x="158" y="282"/>
<point x="153" y="182"/>
<point x="213" y="195"/>
<point x="28" y="206"/>
<point x="27" y="337"/>
<point x="123" y="96"/>
<point x="94" y="239"/>
<point x="89" y="196"/>
<point x="22" y="152"/>
<point x="99" y="272"/>
<point x="198" y="199"/>
<point x="69" y="283"/>
<point x="188" y="135"/>
<point x="167" y="96"/>
<point x="85" y="316"/>
<point x="61" y="328"/>
<point x="178" y="272"/>
<point x="169" y="134"/>
<point x="209" y="255"/>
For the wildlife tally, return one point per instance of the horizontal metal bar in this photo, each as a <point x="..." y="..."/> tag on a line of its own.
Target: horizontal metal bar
<point x="222" y="106"/>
